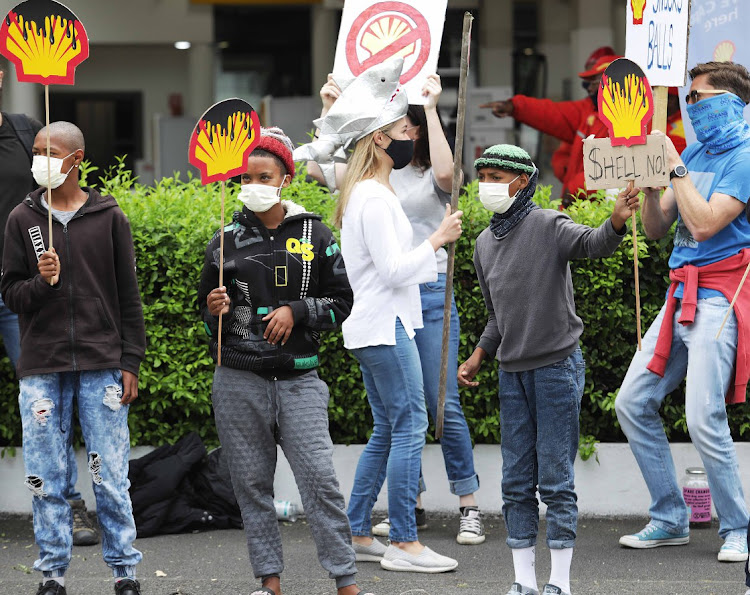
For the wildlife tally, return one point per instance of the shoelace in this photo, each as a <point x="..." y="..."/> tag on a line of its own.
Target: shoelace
<point x="470" y="524"/>
<point x="82" y="519"/>
<point x="734" y="542"/>
<point x="648" y="530"/>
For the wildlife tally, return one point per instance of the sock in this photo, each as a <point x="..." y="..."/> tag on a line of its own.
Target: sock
<point x="524" y="562"/>
<point x="59" y="579"/>
<point x="560" y="575"/>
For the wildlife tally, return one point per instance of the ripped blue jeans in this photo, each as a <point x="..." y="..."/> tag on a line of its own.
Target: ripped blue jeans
<point x="46" y="403"/>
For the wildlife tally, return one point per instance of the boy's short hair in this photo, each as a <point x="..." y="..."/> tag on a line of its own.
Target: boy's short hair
<point x="725" y="75"/>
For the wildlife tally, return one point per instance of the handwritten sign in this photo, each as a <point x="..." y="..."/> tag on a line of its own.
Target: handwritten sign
<point x="656" y="39"/>
<point x="372" y="32"/>
<point x="605" y="166"/>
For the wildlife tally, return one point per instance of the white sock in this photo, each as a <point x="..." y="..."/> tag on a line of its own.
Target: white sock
<point x="560" y="575"/>
<point x="59" y="579"/>
<point x="524" y="564"/>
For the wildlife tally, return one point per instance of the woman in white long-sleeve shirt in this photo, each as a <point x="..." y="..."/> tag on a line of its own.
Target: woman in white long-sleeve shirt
<point x="385" y="272"/>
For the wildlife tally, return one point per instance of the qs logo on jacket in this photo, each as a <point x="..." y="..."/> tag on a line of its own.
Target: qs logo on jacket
<point x="295" y="246"/>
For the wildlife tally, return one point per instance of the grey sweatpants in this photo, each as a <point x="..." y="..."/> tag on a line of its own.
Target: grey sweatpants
<point x="248" y="408"/>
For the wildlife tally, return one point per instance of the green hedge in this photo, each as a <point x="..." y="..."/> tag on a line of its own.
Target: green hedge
<point x="171" y="224"/>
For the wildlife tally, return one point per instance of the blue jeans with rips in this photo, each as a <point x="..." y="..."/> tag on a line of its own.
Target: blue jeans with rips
<point x="392" y="376"/>
<point x="708" y="364"/>
<point x="539" y="428"/>
<point x="46" y="403"/>
<point x="456" y="444"/>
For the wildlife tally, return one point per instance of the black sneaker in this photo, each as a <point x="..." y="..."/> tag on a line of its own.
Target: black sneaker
<point x="51" y="587"/>
<point x="84" y="530"/>
<point x="127" y="586"/>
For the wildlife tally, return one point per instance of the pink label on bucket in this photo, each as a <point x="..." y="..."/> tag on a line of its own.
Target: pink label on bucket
<point x="699" y="502"/>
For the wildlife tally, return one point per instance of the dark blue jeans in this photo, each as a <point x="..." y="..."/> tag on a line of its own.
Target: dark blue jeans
<point x="539" y="428"/>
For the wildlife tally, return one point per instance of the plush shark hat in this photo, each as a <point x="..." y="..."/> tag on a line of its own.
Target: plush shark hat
<point x="368" y="102"/>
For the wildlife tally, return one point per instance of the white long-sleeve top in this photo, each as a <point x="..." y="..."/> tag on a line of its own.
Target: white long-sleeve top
<point x="383" y="268"/>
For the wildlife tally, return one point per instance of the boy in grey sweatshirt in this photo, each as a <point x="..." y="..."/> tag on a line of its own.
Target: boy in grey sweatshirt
<point x="521" y="261"/>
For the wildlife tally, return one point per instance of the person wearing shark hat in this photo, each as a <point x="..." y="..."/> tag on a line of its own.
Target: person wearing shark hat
<point x="385" y="272"/>
<point x="522" y="266"/>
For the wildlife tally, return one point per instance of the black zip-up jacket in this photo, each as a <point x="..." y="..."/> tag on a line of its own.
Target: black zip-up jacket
<point x="92" y="318"/>
<point x="299" y="264"/>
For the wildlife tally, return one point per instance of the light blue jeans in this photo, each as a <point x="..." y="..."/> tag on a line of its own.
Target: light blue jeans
<point x="456" y="441"/>
<point x="46" y="402"/>
<point x="539" y="427"/>
<point x="392" y="376"/>
<point x="708" y="364"/>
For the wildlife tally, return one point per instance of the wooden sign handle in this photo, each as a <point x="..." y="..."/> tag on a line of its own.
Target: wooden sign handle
<point x="221" y="268"/>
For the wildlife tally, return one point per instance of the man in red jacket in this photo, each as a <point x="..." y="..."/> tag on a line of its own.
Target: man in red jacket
<point x="572" y="122"/>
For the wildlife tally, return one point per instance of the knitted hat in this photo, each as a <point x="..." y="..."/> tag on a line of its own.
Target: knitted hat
<point x="277" y="143"/>
<point x="507" y="157"/>
<point x="599" y="67"/>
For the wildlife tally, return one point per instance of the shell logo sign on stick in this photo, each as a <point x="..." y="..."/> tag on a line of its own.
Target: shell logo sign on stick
<point x="373" y="32"/>
<point x="626" y="103"/>
<point x="223" y="139"/>
<point x="45" y="41"/>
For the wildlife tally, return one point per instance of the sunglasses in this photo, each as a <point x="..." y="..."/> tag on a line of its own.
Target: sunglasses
<point x="692" y="97"/>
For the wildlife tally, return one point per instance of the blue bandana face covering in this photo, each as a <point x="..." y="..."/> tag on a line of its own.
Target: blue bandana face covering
<point x="719" y="123"/>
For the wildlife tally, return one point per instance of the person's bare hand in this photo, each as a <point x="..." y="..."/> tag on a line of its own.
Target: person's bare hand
<point x="467" y="371"/>
<point x="329" y="93"/>
<point x="673" y="156"/>
<point x="218" y="301"/>
<point x="49" y="266"/>
<point x="280" y="325"/>
<point x="432" y="90"/>
<point x="500" y="109"/>
<point x="129" y="387"/>
<point x="626" y="204"/>
<point x="449" y="230"/>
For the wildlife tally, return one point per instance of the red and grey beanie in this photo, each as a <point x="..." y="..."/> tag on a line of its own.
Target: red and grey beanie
<point x="274" y="141"/>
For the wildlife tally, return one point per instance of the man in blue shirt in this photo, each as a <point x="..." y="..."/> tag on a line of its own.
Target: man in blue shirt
<point x="710" y="188"/>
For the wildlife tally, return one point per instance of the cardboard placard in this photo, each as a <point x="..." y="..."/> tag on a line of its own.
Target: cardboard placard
<point x="605" y="166"/>
<point x="45" y="41"/>
<point x="656" y="38"/>
<point x="372" y="32"/>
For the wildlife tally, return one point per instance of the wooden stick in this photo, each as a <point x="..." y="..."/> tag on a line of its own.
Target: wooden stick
<point x="637" y="283"/>
<point x="52" y="280"/>
<point x="221" y="267"/>
<point x="734" y="299"/>
<point x="457" y="162"/>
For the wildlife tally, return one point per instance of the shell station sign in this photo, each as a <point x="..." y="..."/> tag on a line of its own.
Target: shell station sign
<point x="372" y="32"/>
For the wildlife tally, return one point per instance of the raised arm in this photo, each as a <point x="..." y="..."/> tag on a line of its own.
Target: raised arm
<point x="441" y="155"/>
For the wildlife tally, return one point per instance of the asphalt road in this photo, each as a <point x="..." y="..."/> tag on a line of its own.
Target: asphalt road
<point x="215" y="563"/>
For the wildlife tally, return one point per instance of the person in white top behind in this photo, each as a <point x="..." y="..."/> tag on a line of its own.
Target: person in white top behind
<point x="385" y="271"/>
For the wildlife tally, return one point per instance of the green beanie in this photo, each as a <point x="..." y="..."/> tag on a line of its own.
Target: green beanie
<point x="507" y="157"/>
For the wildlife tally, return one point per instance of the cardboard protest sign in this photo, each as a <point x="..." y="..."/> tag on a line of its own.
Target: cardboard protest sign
<point x="656" y="39"/>
<point x="223" y="139"/>
<point x="45" y="41"/>
<point x="626" y="103"/>
<point x="608" y="166"/>
<point x="372" y="32"/>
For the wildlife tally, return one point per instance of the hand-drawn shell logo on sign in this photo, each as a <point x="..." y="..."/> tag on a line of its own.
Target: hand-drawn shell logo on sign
<point x="724" y="51"/>
<point x="45" y="41"/>
<point x="385" y="30"/>
<point x="639" y="7"/>
<point x="223" y="139"/>
<point x="626" y="103"/>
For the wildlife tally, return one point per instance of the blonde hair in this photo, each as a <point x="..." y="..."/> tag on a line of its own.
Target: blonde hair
<point x="362" y="165"/>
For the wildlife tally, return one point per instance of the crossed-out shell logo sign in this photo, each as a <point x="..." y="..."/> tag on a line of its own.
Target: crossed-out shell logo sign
<point x="626" y="103"/>
<point x="639" y="7"/>
<point x="45" y="41"/>
<point x="223" y="140"/>
<point x="385" y="30"/>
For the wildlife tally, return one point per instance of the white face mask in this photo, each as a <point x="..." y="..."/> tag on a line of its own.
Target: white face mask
<point x="496" y="196"/>
<point x="259" y="197"/>
<point x="56" y="176"/>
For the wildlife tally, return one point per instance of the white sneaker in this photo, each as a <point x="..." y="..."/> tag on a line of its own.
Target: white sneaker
<point x="369" y="553"/>
<point x="383" y="528"/>
<point x="734" y="548"/>
<point x="470" y="527"/>
<point x="427" y="561"/>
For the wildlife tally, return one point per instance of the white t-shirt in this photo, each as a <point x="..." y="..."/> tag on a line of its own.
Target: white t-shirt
<point x="423" y="202"/>
<point x="383" y="268"/>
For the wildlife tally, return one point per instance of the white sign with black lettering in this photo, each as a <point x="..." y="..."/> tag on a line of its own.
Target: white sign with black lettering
<point x="605" y="166"/>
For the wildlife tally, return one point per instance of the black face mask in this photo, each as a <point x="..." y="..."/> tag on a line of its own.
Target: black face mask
<point x="401" y="152"/>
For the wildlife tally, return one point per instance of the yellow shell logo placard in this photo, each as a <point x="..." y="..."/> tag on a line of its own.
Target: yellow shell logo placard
<point x="626" y="103"/>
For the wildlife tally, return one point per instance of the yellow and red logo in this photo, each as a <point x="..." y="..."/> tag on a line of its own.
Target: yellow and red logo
<point x="45" y="41"/>
<point x="223" y="139"/>
<point x="639" y="7"/>
<point x="626" y="103"/>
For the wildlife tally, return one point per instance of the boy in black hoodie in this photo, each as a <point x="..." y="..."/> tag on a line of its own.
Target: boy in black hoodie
<point x="82" y="339"/>
<point x="287" y="282"/>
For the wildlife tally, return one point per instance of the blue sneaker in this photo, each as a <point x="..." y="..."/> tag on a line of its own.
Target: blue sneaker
<point x="651" y="536"/>
<point x="734" y="548"/>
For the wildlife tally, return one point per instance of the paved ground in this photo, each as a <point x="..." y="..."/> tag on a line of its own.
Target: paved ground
<point x="215" y="563"/>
